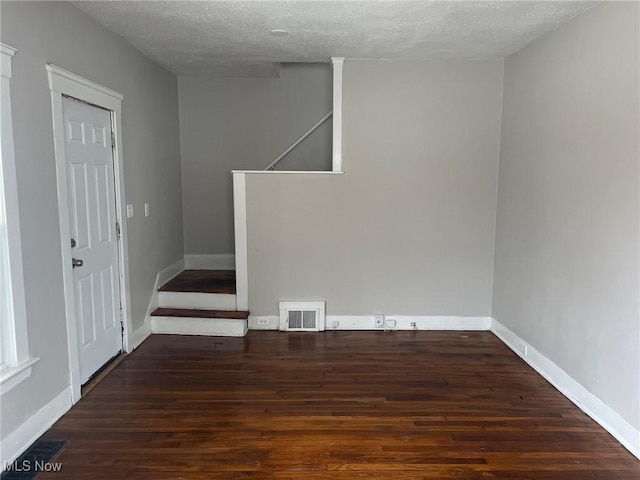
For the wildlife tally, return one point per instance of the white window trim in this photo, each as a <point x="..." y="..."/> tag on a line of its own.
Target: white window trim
<point x="17" y="362"/>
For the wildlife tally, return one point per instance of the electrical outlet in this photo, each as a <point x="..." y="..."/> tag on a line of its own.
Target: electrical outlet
<point x="263" y="322"/>
<point x="390" y="323"/>
<point x="379" y="320"/>
<point x="335" y="324"/>
<point x="414" y="325"/>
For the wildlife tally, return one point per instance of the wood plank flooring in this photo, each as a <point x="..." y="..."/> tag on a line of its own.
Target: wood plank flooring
<point x="204" y="281"/>
<point x="334" y="405"/>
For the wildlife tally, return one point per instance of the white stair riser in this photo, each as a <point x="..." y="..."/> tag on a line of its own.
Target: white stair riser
<point x="197" y="300"/>
<point x="219" y="327"/>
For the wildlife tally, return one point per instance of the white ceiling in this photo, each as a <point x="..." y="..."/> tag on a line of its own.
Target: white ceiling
<point x="233" y="38"/>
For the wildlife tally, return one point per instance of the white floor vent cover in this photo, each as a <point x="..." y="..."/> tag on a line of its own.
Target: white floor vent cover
<point x="302" y="316"/>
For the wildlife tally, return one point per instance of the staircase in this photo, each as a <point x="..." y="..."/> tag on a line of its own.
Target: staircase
<point x="200" y="302"/>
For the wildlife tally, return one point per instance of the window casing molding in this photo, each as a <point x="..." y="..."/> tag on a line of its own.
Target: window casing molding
<point x="15" y="361"/>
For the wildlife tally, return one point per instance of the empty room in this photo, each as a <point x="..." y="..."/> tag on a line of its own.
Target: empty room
<point x="320" y="240"/>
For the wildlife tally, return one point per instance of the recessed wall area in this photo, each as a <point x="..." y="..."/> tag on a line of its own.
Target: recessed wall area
<point x="244" y="124"/>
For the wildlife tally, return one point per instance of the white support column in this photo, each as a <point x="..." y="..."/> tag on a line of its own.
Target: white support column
<point x="337" y="113"/>
<point x="240" y="224"/>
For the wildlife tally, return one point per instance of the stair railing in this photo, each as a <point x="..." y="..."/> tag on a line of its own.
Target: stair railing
<point x="273" y="164"/>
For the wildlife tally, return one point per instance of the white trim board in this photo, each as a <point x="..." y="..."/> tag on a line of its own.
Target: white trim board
<point x="404" y="322"/>
<point x="604" y="415"/>
<point x="164" y="275"/>
<point x="241" y="249"/>
<point x="197" y="300"/>
<point x="218" y="327"/>
<point x="141" y="334"/>
<point x="63" y="82"/>
<point x="225" y="261"/>
<point x="14" y="444"/>
<point x="288" y="172"/>
<point x="367" y="322"/>
<point x="337" y="63"/>
<point x="170" y="272"/>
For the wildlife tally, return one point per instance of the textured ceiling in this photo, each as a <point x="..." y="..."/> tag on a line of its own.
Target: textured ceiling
<point x="232" y="38"/>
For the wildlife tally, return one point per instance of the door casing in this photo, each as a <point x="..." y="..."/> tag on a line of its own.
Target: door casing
<point x="63" y="82"/>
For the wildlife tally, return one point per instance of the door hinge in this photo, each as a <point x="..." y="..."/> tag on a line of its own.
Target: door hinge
<point x="118" y="229"/>
<point x="113" y="139"/>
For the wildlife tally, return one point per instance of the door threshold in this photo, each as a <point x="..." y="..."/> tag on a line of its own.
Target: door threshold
<point x="102" y="372"/>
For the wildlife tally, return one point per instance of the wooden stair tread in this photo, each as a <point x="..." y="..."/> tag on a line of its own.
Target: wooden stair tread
<point x="193" y="313"/>
<point x="203" y="281"/>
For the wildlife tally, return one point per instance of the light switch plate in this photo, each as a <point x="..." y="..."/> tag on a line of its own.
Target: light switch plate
<point x="146" y="209"/>
<point x="129" y="210"/>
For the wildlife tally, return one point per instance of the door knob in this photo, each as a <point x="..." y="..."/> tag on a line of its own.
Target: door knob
<point x="76" y="262"/>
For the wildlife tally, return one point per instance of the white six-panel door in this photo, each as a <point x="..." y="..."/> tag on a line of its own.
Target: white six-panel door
<point x="91" y="187"/>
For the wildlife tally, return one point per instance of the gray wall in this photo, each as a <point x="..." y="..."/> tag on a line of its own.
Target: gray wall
<point x="409" y="228"/>
<point x="245" y="123"/>
<point x="59" y="33"/>
<point x="567" y="233"/>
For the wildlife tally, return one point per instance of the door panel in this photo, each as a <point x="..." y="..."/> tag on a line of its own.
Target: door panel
<point x="92" y="215"/>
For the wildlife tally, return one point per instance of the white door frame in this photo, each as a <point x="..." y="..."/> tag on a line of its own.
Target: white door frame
<point x="62" y="82"/>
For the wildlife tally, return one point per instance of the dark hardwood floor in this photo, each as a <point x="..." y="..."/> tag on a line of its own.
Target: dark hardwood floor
<point x="334" y="405"/>
<point x="204" y="281"/>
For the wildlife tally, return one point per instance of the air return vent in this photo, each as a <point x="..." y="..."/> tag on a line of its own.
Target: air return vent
<point x="302" y="316"/>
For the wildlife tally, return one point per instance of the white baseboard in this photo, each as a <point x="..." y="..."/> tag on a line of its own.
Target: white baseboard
<point x="170" y="272"/>
<point x="610" y="420"/>
<point x="210" y="262"/>
<point x="367" y="322"/>
<point x="164" y="275"/>
<point x="140" y="335"/>
<point x="405" y="322"/>
<point x="14" y="444"/>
